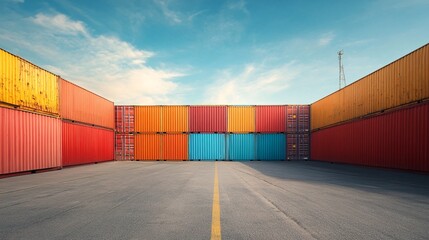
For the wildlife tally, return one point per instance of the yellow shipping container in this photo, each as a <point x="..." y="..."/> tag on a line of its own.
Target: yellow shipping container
<point x="241" y="119"/>
<point x="401" y="82"/>
<point x="147" y="119"/>
<point x="27" y="86"/>
<point x="175" y="119"/>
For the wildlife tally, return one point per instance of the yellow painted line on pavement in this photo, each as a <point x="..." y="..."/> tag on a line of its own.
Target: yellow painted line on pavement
<point x="216" y="232"/>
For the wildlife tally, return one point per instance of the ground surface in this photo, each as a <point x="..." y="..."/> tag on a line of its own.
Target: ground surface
<point x="173" y="200"/>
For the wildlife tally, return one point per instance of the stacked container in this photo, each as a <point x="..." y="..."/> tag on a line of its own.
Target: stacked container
<point x="298" y="132"/>
<point x="379" y="120"/>
<point x="124" y="129"/>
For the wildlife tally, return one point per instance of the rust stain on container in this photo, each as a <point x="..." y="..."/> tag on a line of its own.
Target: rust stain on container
<point x="403" y="81"/>
<point x="148" y="147"/>
<point x="81" y="105"/>
<point x="175" y="119"/>
<point x="175" y="147"/>
<point x="241" y="119"/>
<point x="148" y="119"/>
<point x="27" y="86"/>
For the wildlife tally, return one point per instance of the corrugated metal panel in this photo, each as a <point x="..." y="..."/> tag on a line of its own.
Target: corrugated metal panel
<point x="86" y="144"/>
<point x="148" y="147"/>
<point x="241" y="119"/>
<point x="124" y="119"/>
<point x="124" y="147"/>
<point x="241" y="147"/>
<point x="270" y="118"/>
<point x="175" y="119"/>
<point x="81" y="105"/>
<point x="292" y="119"/>
<point x="207" y="118"/>
<point x="28" y="141"/>
<point x="175" y="146"/>
<point x="27" y="86"/>
<point x="401" y="82"/>
<point x="398" y="139"/>
<point x="298" y="146"/>
<point x="206" y="146"/>
<point x="147" y="119"/>
<point x="270" y="146"/>
<point x="298" y="119"/>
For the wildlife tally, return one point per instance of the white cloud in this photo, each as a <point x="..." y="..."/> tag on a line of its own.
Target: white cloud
<point x="326" y="39"/>
<point x="17" y="1"/>
<point x="168" y="13"/>
<point x="239" y="5"/>
<point x="103" y="64"/>
<point x="253" y="85"/>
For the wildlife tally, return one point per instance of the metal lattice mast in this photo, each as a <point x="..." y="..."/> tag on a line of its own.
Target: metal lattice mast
<point x="342" y="76"/>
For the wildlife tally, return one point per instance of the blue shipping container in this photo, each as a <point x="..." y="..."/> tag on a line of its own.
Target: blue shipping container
<point x="207" y="146"/>
<point x="271" y="147"/>
<point x="241" y="147"/>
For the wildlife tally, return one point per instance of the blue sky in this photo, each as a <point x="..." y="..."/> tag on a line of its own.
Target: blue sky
<point x="212" y="52"/>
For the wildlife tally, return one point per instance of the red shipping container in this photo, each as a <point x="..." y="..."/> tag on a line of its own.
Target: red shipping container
<point x="86" y="144"/>
<point x="80" y="105"/>
<point x="124" y="119"/>
<point x="209" y="119"/>
<point x="175" y="147"/>
<point x="270" y="119"/>
<point x="298" y="146"/>
<point x="397" y="139"/>
<point x="124" y="147"/>
<point x="298" y="119"/>
<point x="28" y="141"/>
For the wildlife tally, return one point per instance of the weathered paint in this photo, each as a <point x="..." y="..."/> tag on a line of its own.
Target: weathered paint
<point x="241" y="119"/>
<point x="241" y="147"/>
<point x="148" y="147"/>
<point x="298" y="119"/>
<point x="175" y="147"/>
<point x="207" y="146"/>
<point x="207" y="119"/>
<point x="397" y="139"/>
<point x="270" y="147"/>
<point x="28" y="141"/>
<point x="298" y="146"/>
<point x="270" y="119"/>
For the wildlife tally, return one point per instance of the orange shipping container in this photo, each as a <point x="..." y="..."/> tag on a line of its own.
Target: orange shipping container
<point x="241" y="119"/>
<point x="148" y="147"/>
<point x="403" y="81"/>
<point x="175" y="147"/>
<point x="175" y="119"/>
<point x="81" y="105"/>
<point x="148" y="119"/>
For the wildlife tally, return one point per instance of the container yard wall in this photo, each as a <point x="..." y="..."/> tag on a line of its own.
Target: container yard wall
<point x="147" y="119"/>
<point x="397" y="139"/>
<point x="403" y="81"/>
<point x="175" y="119"/>
<point x="124" y="147"/>
<point x="175" y="147"/>
<point x="124" y="119"/>
<point x="82" y="144"/>
<point x="81" y="105"/>
<point x="241" y="147"/>
<point x="298" y="146"/>
<point x="206" y="146"/>
<point x="28" y="141"/>
<point x="208" y="119"/>
<point x="270" y="118"/>
<point x="27" y="86"/>
<point x="270" y="147"/>
<point x="148" y="147"/>
<point x="241" y="119"/>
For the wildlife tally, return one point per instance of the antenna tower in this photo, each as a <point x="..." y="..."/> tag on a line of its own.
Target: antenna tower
<point x="342" y="76"/>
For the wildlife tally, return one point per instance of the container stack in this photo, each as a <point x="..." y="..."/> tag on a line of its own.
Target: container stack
<point x="124" y="128"/>
<point x="380" y="120"/>
<point x="298" y="132"/>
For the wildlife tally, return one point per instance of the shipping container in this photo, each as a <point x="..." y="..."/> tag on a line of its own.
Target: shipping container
<point x="403" y="81"/>
<point x="298" y="119"/>
<point x="175" y="147"/>
<point x="241" y="119"/>
<point x="270" y="147"/>
<point x="206" y="146"/>
<point x="27" y="86"/>
<point x="270" y="119"/>
<point x="124" y="119"/>
<point x="298" y="146"/>
<point x="175" y="119"/>
<point x="397" y="139"/>
<point x="124" y="147"/>
<point x="147" y="119"/>
<point x="148" y="147"/>
<point x="28" y="141"/>
<point x="82" y="144"/>
<point x="241" y="147"/>
<point x="81" y="105"/>
<point x="207" y="119"/>
<point x="292" y="119"/>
